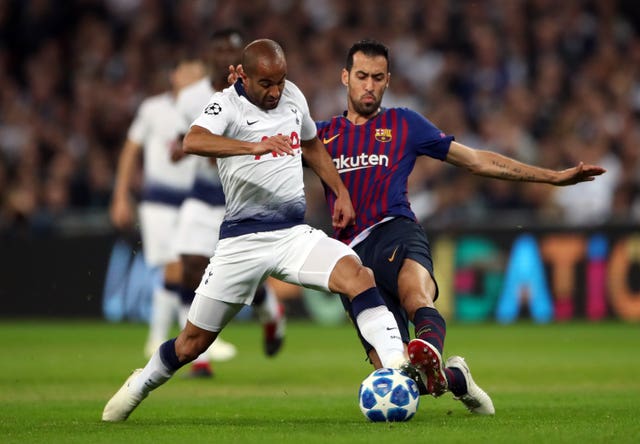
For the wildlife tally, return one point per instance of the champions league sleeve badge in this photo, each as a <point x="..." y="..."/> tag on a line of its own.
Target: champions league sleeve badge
<point x="213" y="109"/>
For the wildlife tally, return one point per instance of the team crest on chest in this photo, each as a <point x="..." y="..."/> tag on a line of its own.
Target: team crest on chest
<point x="295" y="112"/>
<point x="383" y="135"/>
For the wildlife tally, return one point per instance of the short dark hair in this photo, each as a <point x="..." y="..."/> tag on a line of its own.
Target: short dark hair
<point x="368" y="47"/>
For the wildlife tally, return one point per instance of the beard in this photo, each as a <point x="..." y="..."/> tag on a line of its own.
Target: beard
<point x="366" y="109"/>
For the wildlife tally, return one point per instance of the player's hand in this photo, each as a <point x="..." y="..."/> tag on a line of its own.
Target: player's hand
<point x="234" y="73"/>
<point x="175" y="150"/>
<point x="343" y="212"/>
<point x="278" y="145"/>
<point x="579" y="173"/>
<point x="121" y="214"/>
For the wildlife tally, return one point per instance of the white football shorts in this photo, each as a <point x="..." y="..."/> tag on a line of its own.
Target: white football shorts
<point x="300" y="255"/>
<point x="157" y="224"/>
<point x="198" y="228"/>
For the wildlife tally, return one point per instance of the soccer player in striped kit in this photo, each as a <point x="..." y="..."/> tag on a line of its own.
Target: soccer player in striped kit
<point x="374" y="150"/>
<point x="259" y="129"/>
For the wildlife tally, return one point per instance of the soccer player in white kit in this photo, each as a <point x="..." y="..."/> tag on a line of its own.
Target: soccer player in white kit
<point x="165" y="185"/>
<point x="203" y="210"/>
<point x="259" y="129"/>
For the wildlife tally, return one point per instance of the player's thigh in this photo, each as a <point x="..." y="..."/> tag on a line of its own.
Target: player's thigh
<point x="157" y="224"/>
<point x="416" y="287"/>
<point x="239" y="265"/>
<point x="399" y="254"/>
<point x="212" y="314"/>
<point x="198" y="228"/>
<point x="308" y="256"/>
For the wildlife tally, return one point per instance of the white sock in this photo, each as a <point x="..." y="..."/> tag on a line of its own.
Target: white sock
<point x="183" y="314"/>
<point x="153" y="375"/>
<point x="379" y="328"/>
<point x="163" y="314"/>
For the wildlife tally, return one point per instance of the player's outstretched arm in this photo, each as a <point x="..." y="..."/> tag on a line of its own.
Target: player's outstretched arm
<point x="491" y="164"/>
<point x="318" y="159"/>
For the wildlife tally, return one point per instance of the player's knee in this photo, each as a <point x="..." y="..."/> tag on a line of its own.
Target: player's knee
<point x="361" y="280"/>
<point x="365" y="277"/>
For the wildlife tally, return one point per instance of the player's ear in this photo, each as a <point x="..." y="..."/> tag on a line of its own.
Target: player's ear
<point x="345" y="77"/>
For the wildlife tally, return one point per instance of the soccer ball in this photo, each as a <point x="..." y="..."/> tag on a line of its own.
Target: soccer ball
<point x="388" y="395"/>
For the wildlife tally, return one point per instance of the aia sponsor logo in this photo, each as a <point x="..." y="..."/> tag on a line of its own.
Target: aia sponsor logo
<point x="295" y="144"/>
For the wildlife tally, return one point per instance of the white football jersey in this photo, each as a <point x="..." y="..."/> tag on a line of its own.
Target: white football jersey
<point x="155" y="127"/>
<point x="265" y="192"/>
<point x="191" y="102"/>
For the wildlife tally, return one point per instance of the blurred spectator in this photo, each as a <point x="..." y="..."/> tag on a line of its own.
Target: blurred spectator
<point x="536" y="79"/>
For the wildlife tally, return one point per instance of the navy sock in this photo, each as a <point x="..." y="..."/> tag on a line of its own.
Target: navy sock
<point x="456" y="381"/>
<point x="175" y="288"/>
<point x="259" y="296"/>
<point x="186" y="295"/>
<point x="430" y="327"/>
<point x="367" y="299"/>
<point x="168" y="355"/>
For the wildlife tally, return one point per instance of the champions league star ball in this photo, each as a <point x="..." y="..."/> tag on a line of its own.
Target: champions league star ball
<point x="388" y="395"/>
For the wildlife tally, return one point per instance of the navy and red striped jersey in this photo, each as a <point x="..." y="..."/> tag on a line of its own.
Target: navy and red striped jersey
<point x="375" y="159"/>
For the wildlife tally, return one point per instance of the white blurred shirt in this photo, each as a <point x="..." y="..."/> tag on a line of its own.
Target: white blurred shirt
<point x="155" y="127"/>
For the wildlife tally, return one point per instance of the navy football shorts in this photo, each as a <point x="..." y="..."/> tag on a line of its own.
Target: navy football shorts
<point x="383" y="251"/>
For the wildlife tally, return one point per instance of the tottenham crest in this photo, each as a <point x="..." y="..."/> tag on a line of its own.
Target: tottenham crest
<point x="383" y="135"/>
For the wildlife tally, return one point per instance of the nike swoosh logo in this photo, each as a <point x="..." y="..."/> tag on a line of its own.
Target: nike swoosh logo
<point x="251" y="123"/>
<point x="391" y="328"/>
<point x="393" y="255"/>
<point x="325" y="140"/>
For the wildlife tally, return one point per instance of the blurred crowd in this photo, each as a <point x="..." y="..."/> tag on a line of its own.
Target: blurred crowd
<point x="545" y="81"/>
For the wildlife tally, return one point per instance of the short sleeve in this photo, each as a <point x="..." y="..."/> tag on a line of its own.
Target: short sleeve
<point x="217" y="115"/>
<point x="140" y="126"/>
<point x="429" y="139"/>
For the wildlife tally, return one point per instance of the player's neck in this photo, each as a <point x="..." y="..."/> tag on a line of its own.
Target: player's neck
<point x="360" y="119"/>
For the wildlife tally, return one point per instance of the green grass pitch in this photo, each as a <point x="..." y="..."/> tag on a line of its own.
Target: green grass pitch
<point x="568" y="383"/>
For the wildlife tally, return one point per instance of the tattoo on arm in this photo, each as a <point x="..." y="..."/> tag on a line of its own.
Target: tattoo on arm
<point x="516" y="172"/>
<point x="503" y="171"/>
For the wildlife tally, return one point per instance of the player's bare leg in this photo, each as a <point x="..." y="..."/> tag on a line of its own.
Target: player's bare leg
<point x="416" y="289"/>
<point x="193" y="268"/>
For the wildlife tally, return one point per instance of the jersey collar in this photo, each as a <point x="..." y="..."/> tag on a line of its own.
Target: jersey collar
<point x="239" y="87"/>
<point x="381" y="110"/>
